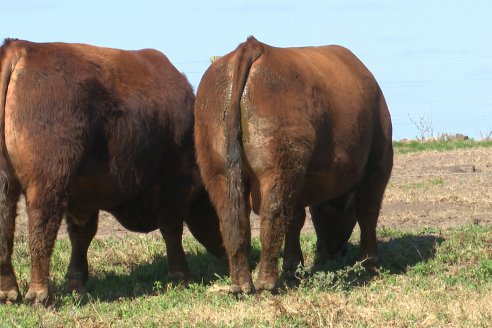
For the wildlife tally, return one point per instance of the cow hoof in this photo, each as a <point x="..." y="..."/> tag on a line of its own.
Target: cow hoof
<point x="246" y="288"/>
<point x="290" y="269"/>
<point x="179" y="277"/>
<point x="76" y="282"/>
<point x="75" y="285"/>
<point x="40" y="297"/>
<point x="10" y="297"/>
<point x="370" y="263"/>
<point x="268" y="285"/>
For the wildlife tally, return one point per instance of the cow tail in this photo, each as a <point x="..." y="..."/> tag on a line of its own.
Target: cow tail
<point x="6" y="68"/>
<point x="246" y="54"/>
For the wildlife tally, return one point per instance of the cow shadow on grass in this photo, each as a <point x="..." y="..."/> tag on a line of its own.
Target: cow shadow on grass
<point x="405" y="252"/>
<point x="398" y="255"/>
<point x="147" y="278"/>
<point x="150" y="278"/>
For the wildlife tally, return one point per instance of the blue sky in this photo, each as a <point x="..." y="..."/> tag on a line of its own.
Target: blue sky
<point x="433" y="59"/>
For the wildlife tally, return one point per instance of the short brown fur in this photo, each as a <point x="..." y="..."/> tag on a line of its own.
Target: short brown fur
<point x="289" y="128"/>
<point x="85" y="128"/>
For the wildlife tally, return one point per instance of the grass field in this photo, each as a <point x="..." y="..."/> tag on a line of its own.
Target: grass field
<point x="436" y="268"/>
<point x="438" y="145"/>
<point x="427" y="278"/>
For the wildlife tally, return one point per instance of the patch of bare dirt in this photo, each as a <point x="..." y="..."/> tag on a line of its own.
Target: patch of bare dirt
<point x="439" y="189"/>
<point x="427" y="189"/>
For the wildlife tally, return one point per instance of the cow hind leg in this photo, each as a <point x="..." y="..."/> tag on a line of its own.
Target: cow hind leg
<point x="292" y="250"/>
<point x="279" y="194"/>
<point x="81" y="229"/>
<point x="236" y="232"/>
<point x="368" y="202"/>
<point x="45" y="210"/>
<point x="275" y="211"/>
<point x="9" y="290"/>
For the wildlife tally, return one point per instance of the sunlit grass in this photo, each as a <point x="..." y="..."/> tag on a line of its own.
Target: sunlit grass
<point x="426" y="278"/>
<point x="437" y="145"/>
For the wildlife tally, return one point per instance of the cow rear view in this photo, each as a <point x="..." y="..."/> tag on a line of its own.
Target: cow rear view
<point x="85" y="128"/>
<point x="288" y="128"/>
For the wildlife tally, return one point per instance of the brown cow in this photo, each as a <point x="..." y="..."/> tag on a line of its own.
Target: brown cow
<point x="85" y="128"/>
<point x="289" y="128"/>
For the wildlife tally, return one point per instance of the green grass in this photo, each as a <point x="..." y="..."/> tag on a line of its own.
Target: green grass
<point x="438" y="145"/>
<point x="426" y="184"/>
<point x="426" y="278"/>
